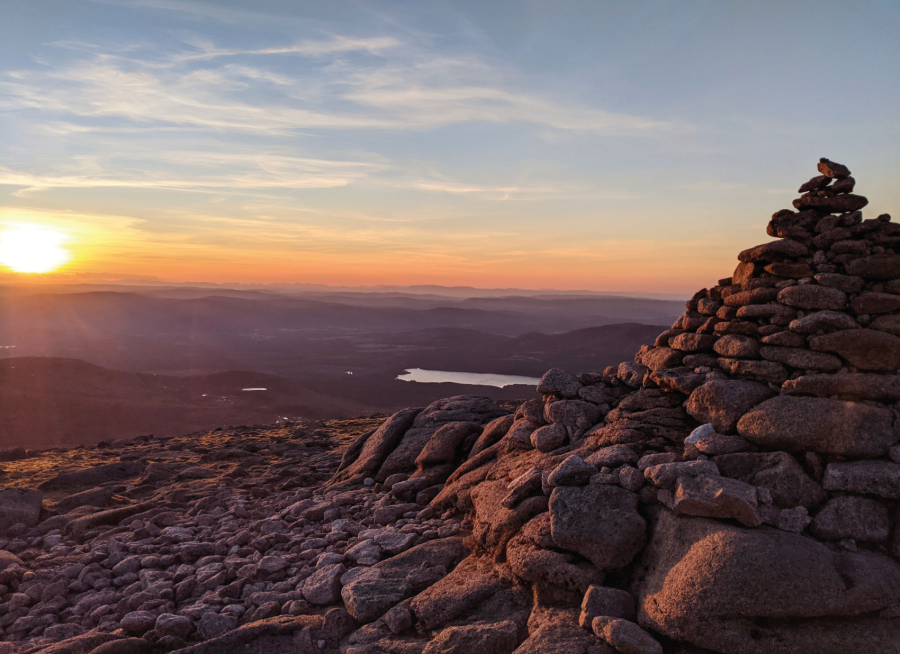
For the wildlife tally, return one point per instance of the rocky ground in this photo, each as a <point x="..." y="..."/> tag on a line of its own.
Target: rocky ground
<point x="732" y="489"/>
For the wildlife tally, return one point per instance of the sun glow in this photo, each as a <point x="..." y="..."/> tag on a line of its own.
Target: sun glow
<point x="32" y="249"/>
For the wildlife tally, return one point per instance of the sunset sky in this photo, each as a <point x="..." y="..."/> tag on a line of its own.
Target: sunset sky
<point x="623" y="146"/>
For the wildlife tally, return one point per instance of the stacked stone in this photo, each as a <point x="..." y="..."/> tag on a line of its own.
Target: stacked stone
<point x="772" y="402"/>
<point x="735" y="487"/>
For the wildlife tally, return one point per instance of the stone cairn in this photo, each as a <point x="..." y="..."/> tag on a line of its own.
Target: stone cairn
<point x="734" y="489"/>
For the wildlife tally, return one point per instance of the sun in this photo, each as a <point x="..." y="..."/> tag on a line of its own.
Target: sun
<point x="32" y="249"/>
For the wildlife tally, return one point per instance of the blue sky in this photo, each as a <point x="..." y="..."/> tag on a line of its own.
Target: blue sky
<point x="571" y="145"/>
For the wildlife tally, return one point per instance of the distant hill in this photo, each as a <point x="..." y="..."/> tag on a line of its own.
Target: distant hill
<point x="303" y="337"/>
<point x="87" y="366"/>
<point x="56" y="401"/>
<point x="48" y="402"/>
<point x="464" y="350"/>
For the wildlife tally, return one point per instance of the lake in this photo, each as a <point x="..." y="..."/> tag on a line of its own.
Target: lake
<point x="474" y="378"/>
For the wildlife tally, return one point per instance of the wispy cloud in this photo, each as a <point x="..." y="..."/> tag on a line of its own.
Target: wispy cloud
<point x="311" y="48"/>
<point x="197" y="171"/>
<point x="110" y="101"/>
<point x="401" y="90"/>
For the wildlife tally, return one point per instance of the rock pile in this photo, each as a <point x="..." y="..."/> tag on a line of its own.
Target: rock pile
<point x="733" y="489"/>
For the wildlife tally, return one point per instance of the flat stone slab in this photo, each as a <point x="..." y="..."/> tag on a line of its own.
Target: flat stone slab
<point x="856" y="386"/>
<point x="864" y="477"/>
<point x="800" y="424"/>
<point x="866" y="349"/>
<point x="712" y="496"/>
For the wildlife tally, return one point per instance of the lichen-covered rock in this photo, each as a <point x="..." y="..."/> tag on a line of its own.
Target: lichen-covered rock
<point x="880" y="478"/>
<point x="323" y="587"/>
<point x="549" y="437"/>
<point x="877" y="266"/>
<point x="853" y="517"/>
<point x="812" y="296"/>
<point x="559" y="382"/>
<point x="665" y="475"/>
<point x="723" y="402"/>
<point x="712" y="496"/>
<point x="764" y="591"/>
<point x="599" y="600"/>
<point x="472" y="582"/>
<point x="573" y="471"/>
<point x="391" y="581"/>
<point x="866" y="349"/>
<point x="380" y="444"/>
<point x="820" y="425"/>
<point x="533" y="556"/>
<point x="494" y="638"/>
<point x="798" y="357"/>
<point x="774" y="251"/>
<point x="822" y="321"/>
<point x="777" y="472"/>
<point x="575" y="514"/>
<point x="625" y="636"/>
<point x="443" y="444"/>
<point x="857" y="386"/>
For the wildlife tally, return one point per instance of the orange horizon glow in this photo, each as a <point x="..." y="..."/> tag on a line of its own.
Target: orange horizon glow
<point x="106" y="247"/>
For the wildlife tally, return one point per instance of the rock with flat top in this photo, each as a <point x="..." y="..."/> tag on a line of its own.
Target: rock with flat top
<point x="877" y="266"/>
<point x="836" y="204"/>
<point x="712" y="496"/>
<point x="774" y="251"/>
<point x="822" y="321"/>
<point x="812" y="296"/>
<point x="880" y="478"/>
<point x="665" y="475"/>
<point x="856" y="386"/>
<point x="820" y="425"/>
<point x="800" y="357"/>
<point x="832" y="169"/>
<point x="866" y="349"/>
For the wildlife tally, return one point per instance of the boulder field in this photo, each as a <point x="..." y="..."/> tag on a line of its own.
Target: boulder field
<point x="735" y="488"/>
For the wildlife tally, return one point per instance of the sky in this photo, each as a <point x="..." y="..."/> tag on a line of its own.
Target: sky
<point x="605" y="146"/>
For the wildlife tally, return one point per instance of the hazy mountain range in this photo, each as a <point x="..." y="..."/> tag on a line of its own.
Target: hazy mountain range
<point x="85" y="365"/>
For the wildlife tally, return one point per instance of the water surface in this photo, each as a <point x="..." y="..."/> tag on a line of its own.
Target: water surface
<point x="473" y="378"/>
